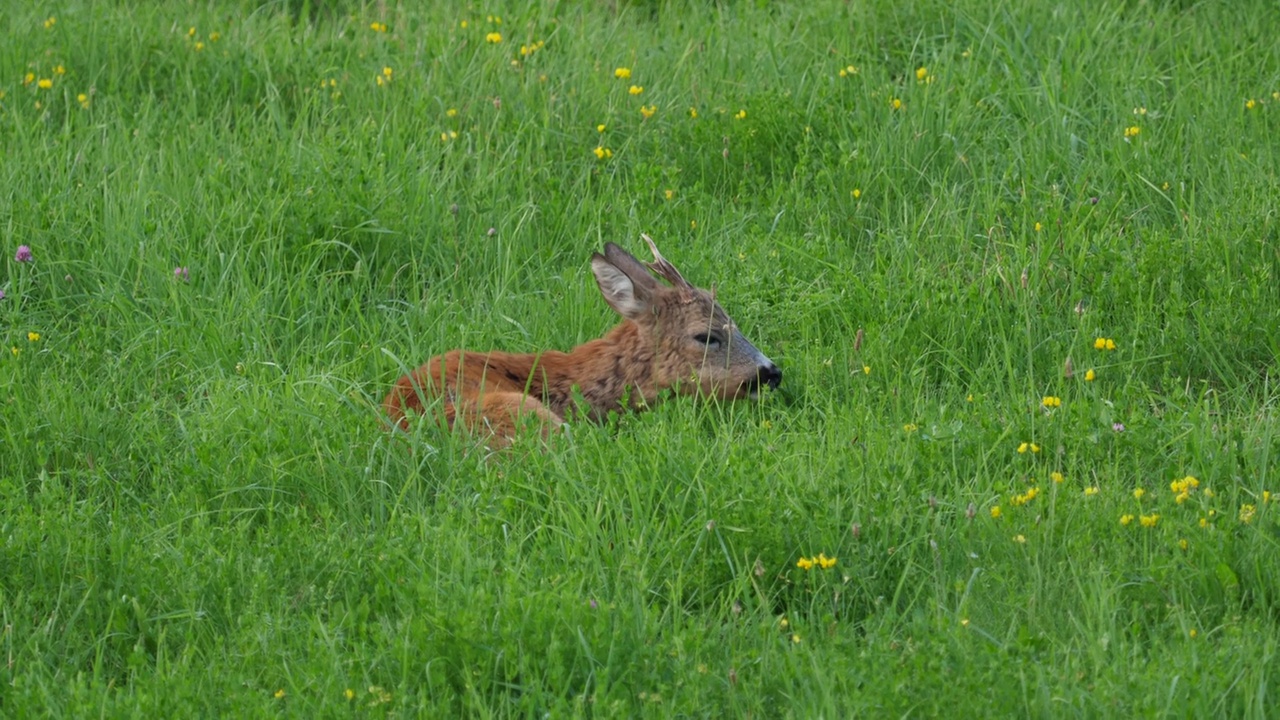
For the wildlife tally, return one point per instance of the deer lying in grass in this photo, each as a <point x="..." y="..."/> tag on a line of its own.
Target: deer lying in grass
<point x="673" y="336"/>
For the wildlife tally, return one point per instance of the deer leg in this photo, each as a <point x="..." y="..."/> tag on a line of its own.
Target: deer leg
<point x="502" y="413"/>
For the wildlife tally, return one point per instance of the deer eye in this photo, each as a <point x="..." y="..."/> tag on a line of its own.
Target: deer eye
<point x="712" y="342"/>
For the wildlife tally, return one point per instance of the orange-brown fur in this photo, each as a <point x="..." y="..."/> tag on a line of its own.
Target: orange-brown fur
<point x="671" y="336"/>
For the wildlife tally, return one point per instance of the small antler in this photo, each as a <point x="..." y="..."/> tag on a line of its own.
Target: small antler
<point x="664" y="268"/>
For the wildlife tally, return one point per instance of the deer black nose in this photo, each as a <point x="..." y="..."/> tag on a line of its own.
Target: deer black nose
<point x="770" y="375"/>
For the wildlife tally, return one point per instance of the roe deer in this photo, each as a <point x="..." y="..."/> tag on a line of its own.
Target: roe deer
<point x="676" y="336"/>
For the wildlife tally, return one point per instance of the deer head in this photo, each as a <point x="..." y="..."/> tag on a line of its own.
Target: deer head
<point x="695" y="344"/>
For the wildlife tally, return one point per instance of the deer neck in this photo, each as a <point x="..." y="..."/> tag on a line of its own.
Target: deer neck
<point x="606" y="370"/>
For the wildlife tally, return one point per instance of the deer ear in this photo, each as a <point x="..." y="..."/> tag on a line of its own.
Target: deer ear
<point x="627" y="263"/>
<point x="618" y="289"/>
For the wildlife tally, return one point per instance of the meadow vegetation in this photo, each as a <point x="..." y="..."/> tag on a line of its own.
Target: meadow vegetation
<point x="1018" y="262"/>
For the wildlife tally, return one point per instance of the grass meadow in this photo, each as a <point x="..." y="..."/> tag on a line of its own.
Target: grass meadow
<point x="1019" y="262"/>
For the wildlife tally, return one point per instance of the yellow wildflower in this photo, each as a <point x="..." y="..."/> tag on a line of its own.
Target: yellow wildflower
<point x="1149" y="521"/>
<point x="1056" y="476"/>
<point x="199" y="45"/>
<point x="280" y="693"/>
<point x="28" y="78"/>
<point x="866" y="369"/>
<point x="1051" y="401"/>
<point x="693" y="113"/>
<point x="1132" y="132"/>
<point x="1090" y="375"/>
<point x="635" y="90"/>
<point x="1022" y="449"/>
<point x="921" y="73"/>
<point x="1183" y="544"/>
<point x="50" y="22"/>
<point x="741" y="115"/>
<point x="33" y="337"/>
<point x="669" y="193"/>
<point x="1038" y="227"/>
<point x="603" y="153"/>
<point x="59" y="70"/>
<point x="1020" y="539"/>
<point x="622" y="73"/>
<point x="895" y="104"/>
<point x="215" y="36"/>
<point x="600" y="127"/>
<point x="804" y="563"/>
<point x="83" y="100"/>
<point x="648" y="112"/>
<point x="910" y="427"/>
<point x="380" y="696"/>
<point x="1250" y="104"/>
<point x="349" y="694"/>
<point x="1093" y="490"/>
<point x="824" y="562"/>
<point x="1126" y="519"/>
<point x="44" y="83"/>
<point x="493" y="37"/>
<point x="995" y="512"/>
<point x="1104" y="344"/>
<point x="856" y="193"/>
<point x="1246" y="513"/>
<point x="378" y="27"/>
<point x="1138" y="493"/>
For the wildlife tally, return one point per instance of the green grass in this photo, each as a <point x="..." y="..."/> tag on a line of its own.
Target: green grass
<point x="199" y="509"/>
